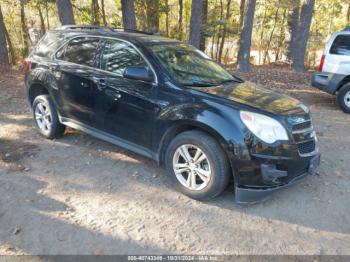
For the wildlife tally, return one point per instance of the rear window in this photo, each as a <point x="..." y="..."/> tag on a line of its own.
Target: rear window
<point x="80" y="50"/>
<point x="341" y="45"/>
<point x="48" y="44"/>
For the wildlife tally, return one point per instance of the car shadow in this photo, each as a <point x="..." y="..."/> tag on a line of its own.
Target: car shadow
<point x="27" y="224"/>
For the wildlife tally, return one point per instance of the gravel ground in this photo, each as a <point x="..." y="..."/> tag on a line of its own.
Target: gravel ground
<point x="79" y="195"/>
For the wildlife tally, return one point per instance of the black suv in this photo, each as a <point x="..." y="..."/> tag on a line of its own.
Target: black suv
<point x="168" y="101"/>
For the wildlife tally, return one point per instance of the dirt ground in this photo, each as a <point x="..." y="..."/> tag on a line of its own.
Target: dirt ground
<point x="79" y="195"/>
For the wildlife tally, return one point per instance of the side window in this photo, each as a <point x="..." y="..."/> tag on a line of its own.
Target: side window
<point x="81" y="50"/>
<point x="341" y="45"/>
<point x="118" y="55"/>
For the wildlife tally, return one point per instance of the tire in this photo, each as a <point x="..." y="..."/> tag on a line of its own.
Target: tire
<point x="343" y="98"/>
<point x="215" y="163"/>
<point x="46" y="118"/>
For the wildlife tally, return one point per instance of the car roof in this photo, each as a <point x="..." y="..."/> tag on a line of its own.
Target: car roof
<point x="136" y="37"/>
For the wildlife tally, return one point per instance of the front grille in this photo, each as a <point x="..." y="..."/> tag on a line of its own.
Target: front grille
<point x="302" y="126"/>
<point x="303" y="135"/>
<point x="307" y="147"/>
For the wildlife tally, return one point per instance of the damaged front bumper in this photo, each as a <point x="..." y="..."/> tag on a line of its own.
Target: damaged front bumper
<point x="245" y="195"/>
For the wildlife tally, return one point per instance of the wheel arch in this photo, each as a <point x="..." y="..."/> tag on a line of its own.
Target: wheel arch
<point x="36" y="89"/>
<point x="187" y="125"/>
<point x="343" y="82"/>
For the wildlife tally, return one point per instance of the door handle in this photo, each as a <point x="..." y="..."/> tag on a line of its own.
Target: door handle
<point x="114" y="94"/>
<point x="100" y="83"/>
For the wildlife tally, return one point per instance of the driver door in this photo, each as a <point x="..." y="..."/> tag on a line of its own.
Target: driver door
<point x="124" y="107"/>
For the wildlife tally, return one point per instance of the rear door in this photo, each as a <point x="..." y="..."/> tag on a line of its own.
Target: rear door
<point x="75" y="73"/>
<point x="337" y="60"/>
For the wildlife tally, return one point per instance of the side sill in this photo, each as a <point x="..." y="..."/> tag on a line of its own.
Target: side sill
<point x="109" y="138"/>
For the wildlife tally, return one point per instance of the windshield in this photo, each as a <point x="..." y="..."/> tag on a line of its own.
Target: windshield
<point x="190" y="66"/>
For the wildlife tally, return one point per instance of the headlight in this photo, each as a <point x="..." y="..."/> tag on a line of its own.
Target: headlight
<point x="266" y="128"/>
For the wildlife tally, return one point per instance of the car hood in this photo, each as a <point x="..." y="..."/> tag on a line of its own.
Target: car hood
<point x="256" y="96"/>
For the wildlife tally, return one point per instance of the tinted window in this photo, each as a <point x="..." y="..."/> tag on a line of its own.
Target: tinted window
<point x="341" y="45"/>
<point x="81" y="51"/>
<point x="48" y="44"/>
<point x="118" y="55"/>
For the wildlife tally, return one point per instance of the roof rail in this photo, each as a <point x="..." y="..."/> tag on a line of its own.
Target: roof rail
<point x="97" y="27"/>
<point x="346" y="28"/>
<point x="134" y="31"/>
<point x="87" y="27"/>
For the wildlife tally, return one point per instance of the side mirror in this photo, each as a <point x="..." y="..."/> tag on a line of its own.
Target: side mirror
<point x="138" y="73"/>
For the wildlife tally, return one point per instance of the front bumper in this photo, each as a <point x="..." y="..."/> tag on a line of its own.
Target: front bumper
<point x="252" y="195"/>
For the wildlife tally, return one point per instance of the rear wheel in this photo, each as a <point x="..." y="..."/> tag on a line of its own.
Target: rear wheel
<point x="343" y="98"/>
<point x="46" y="117"/>
<point x="197" y="165"/>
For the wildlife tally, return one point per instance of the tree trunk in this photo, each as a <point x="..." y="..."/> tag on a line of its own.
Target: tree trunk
<point x="47" y="15"/>
<point x="128" y="12"/>
<point x="103" y="11"/>
<point x="219" y="33"/>
<point x="167" y="17"/>
<point x="302" y="36"/>
<point x="152" y="11"/>
<point x="181" y="5"/>
<point x="241" y="17"/>
<point x="293" y="24"/>
<point x="11" y="49"/>
<point x="95" y="13"/>
<point x="246" y="36"/>
<point x="348" y="14"/>
<point x="42" y="21"/>
<point x="4" y="59"/>
<point x="228" y="14"/>
<point x="24" y="28"/>
<point x="266" y="55"/>
<point x="195" y="23"/>
<point x="65" y="12"/>
<point x="204" y="22"/>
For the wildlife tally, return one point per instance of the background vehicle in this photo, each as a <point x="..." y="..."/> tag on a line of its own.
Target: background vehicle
<point x="333" y="75"/>
<point x="168" y="101"/>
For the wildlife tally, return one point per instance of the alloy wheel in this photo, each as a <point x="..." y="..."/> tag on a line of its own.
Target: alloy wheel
<point x="347" y="99"/>
<point x="191" y="167"/>
<point x="43" y="117"/>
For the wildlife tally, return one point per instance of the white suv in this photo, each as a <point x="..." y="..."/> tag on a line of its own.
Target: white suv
<point x="333" y="75"/>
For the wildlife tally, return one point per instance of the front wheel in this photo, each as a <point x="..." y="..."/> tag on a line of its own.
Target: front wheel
<point x="197" y="164"/>
<point x="343" y="98"/>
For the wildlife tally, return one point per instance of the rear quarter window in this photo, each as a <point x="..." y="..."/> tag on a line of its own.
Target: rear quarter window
<point x="48" y="44"/>
<point x="341" y="45"/>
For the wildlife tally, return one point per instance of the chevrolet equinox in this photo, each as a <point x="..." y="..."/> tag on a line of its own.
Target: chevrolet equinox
<point x="168" y="101"/>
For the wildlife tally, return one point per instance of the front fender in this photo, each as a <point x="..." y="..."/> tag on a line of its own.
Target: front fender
<point x="222" y="122"/>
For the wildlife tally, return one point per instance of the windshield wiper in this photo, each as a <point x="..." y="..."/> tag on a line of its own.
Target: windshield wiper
<point x="200" y="84"/>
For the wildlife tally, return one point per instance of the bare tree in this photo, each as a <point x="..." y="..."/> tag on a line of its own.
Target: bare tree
<point x="196" y="22"/>
<point x="204" y="22"/>
<point x="4" y="59"/>
<point x="293" y="24"/>
<point x="95" y="12"/>
<point x="42" y="21"/>
<point x="65" y="12"/>
<point x="246" y="36"/>
<point x="152" y="11"/>
<point x="128" y="12"/>
<point x="298" y="55"/>
<point x="228" y="14"/>
<point x="24" y="29"/>
<point x="103" y="12"/>
<point x="181" y="5"/>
